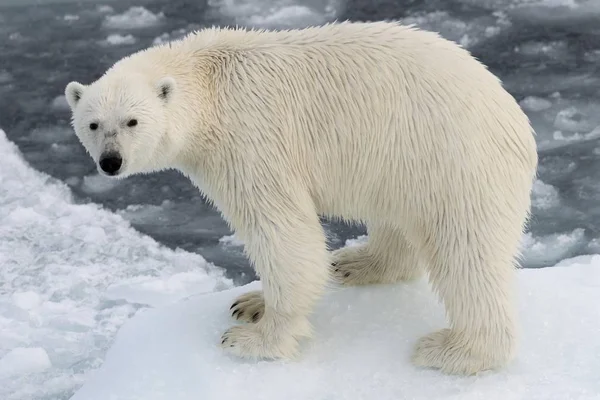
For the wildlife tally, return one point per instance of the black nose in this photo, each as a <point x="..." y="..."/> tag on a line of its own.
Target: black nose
<point x="110" y="162"/>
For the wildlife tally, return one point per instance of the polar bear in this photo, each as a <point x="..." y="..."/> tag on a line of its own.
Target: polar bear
<point x="374" y="122"/>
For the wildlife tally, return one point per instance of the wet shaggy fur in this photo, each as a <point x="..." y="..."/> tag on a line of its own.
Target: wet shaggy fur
<point x="377" y="123"/>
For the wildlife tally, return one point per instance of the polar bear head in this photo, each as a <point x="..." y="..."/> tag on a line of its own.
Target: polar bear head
<point x="122" y="120"/>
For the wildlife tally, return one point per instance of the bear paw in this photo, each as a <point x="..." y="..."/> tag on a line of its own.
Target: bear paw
<point x="249" y="307"/>
<point x="452" y="354"/>
<point x="353" y="266"/>
<point x="263" y="340"/>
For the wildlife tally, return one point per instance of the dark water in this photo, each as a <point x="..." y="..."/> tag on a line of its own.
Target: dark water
<point x="540" y="52"/>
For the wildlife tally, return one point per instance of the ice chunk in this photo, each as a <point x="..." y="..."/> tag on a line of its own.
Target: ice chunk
<point x="544" y="196"/>
<point x="277" y="14"/>
<point x="22" y="360"/>
<point x="116" y="40"/>
<point x="5" y="76"/>
<point x="134" y="17"/>
<point x="71" y="275"/>
<point x="550" y="249"/>
<point x="231" y="240"/>
<point x="292" y="15"/>
<point x="571" y="119"/>
<point x="60" y="103"/>
<point x="26" y="300"/>
<point x="51" y="134"/>
<point x="164" y="38"/>
<point x="362" y="239"/>
<point x="356" y="353"/>
<point x="105" y="9"/>
<point x="98" y="183"/>
<point x="467" y="33"/>
<point x="536" y="104"/>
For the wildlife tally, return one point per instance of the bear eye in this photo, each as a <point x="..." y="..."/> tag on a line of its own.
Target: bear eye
<point x="93" y="126"/>
<point x="132" y="122"/>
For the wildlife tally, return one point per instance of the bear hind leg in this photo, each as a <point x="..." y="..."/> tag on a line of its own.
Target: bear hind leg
<point x="474" y="278"/>
<point x="387" y="257"/>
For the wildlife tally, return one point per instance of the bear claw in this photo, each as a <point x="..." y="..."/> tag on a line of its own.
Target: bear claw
<point x="249" y="307"/>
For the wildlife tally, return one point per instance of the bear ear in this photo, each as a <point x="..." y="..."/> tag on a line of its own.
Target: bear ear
<point x="73" y="93"/>
<point x="166" y="87"/>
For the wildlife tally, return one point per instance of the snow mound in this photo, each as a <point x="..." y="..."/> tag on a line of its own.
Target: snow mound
<point x="70" y="276"/>
<point x="134" y="17"/>
<point x="361" y="350"/>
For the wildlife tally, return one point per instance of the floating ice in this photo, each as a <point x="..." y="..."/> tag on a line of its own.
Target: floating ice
<point x="99" y="184"/>
<point x="362" y="239"/>
<point x="134" y="17"/>
<point x="163" y="38"/>
<point x="71" y="17"/>
<point x="292" y="15"/>
<point x="70" y="276"/>
<point x="573" y="120"/>
<point x="276" y="13"/>
<point x="544" y="196"/>
<point x="231" y="240"/>
<point x="550" y="249"/>
<point x="60" y="103"/>
<point x="362" y="346"/>
<point x="5" y="77"/>
<point x="105" y="9"/>
<point x="536" y="104"/>
<point x="466" y="33"/>
<point x="51" y="134"/>
<point x="116" y="40"/>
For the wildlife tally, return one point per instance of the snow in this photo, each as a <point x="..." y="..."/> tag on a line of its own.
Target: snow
<point x="134" y="17"/>
<point x="116" y="39"/>
<point x="71" y="275"/>
<point x="26" y="300"/>
<point x="357" y="353"/>
<point x="22" y="360"/>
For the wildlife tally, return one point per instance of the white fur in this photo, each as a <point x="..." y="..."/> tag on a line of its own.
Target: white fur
<point x="371" y="122"/>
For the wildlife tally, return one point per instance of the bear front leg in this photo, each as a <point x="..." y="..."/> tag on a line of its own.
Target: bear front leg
<point x="286" y="244"/>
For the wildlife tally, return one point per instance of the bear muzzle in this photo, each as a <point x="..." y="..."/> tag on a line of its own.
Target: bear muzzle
<point x="110" y="162"/>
